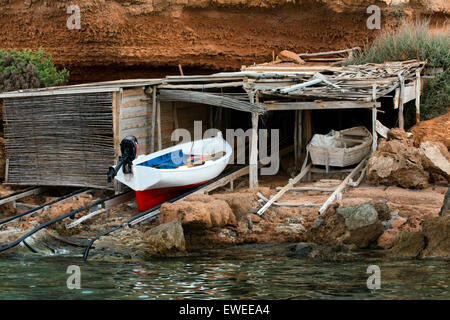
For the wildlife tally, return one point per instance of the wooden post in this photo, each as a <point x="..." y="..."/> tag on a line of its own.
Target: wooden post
<point x="253" y="183"/>
<point x="396" y="98"/>
<point x="374" y="118"/>
<point x="158" y="116"/>
<point x="6" y="170"/>
<point x="116" y="106"/>
<point x="299" y="134"/>
<point x="401" y="121"/>
<point x="296" y="142"/>
<point x="175" y="115"/>
<point x="374" y="131"/>
<point x="418" y="92"/>
<point x="307" y="132"/>
<point x="152" y="142"/>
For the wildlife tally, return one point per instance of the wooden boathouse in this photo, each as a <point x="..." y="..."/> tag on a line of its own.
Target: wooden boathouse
<point x="70" y="135"/>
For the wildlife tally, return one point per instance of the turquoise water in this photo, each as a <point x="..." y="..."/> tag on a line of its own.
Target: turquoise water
<point x="244" y="272"/>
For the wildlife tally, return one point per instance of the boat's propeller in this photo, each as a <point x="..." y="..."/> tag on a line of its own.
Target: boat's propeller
<point x="128" y="148"/>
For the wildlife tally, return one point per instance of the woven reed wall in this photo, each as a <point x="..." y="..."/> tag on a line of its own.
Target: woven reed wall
<point x="59" y="139"/>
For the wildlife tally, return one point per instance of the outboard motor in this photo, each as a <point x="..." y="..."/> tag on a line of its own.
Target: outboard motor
<point x="128" y="148"/>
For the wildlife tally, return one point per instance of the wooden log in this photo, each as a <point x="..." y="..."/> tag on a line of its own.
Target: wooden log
<point x="341" y="187"/>
<point x="291" y="183"/>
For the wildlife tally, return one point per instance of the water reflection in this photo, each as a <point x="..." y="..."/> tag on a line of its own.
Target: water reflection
<point x="245" y="272"/>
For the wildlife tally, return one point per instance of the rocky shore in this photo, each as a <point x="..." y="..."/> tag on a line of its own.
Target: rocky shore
<point x="396" y="211"/>
<point x="397" y="221"/>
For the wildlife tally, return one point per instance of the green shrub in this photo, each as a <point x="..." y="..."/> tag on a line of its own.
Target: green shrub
<point x="415" y="41"/>
<point x="27" y="69"/>
<point x="410" y="41"/>
<point x="435" y="99"/>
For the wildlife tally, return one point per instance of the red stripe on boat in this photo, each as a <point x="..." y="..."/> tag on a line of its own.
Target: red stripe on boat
<point x="150" y="198"/>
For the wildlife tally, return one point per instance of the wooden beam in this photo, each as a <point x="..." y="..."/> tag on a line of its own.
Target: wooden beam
<point x="210" y="99"/>
<point x="315" y="54"/>
<point x="341" y="187"/>
<point x="280" y="193"/>
<point x="287" y="204"/>
<point x="312" y="188"/>
<point x="202" y="86"/>
<point x="86" y="217"/>
<point x="320" y="105"/>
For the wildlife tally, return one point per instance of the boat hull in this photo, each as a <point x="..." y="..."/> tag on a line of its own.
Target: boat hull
<point x="157" y="177"/>
<point x="150" y="198"/>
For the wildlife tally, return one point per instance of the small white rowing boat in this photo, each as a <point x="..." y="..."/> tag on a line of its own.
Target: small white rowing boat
<point x="165" y="174"/>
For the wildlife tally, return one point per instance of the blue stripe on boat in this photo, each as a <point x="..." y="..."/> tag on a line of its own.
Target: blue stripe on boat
<point x="168" y="160"/>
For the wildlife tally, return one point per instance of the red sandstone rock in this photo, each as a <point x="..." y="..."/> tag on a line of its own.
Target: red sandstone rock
<point x="436" y="129"/>
<point x="437" y="234"/>
<point x="397" y="223"/>
<point x="198" y="215"/>
<point x="290" y="56"/>
<point x="394" y="169"/>
<point x="386" y="240"/>
<point x="436" y="158"/>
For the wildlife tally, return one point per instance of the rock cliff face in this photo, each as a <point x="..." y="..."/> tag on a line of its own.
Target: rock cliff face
<point x="149" y="38"/>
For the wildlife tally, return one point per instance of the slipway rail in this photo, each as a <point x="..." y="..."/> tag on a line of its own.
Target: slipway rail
<point x="20" y="194"/>
<point x="17" y="216"/>
<point x="52" y="221"/>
